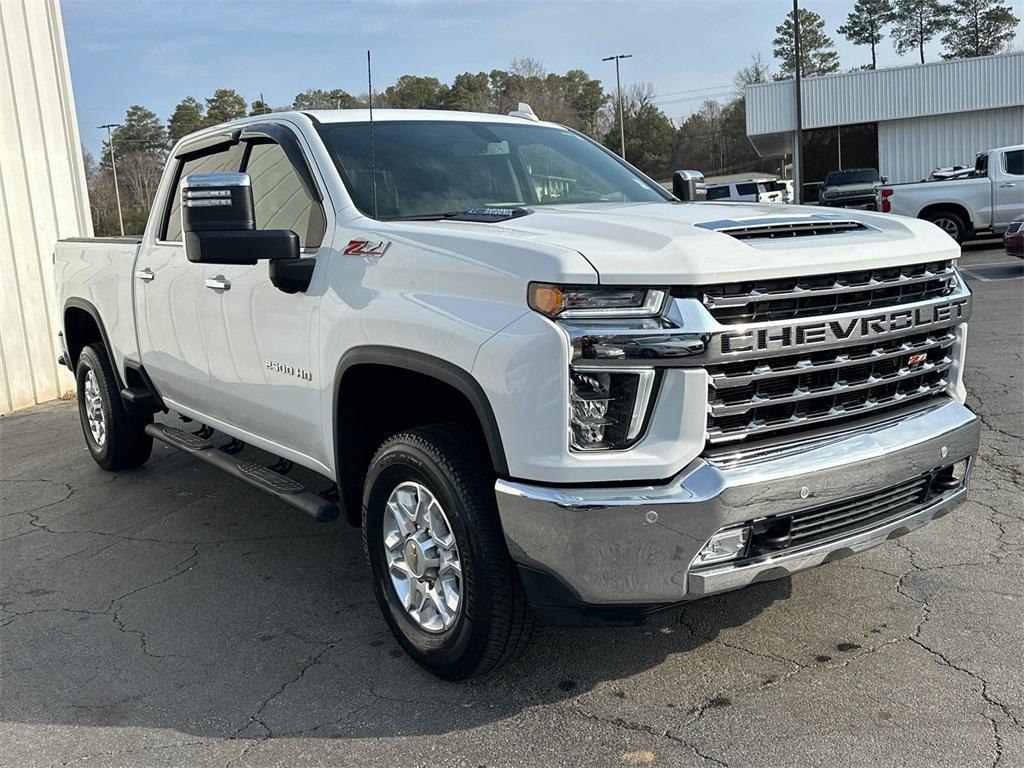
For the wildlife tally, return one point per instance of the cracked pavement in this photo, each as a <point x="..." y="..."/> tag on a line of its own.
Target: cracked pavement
<point x="171" y="616"/>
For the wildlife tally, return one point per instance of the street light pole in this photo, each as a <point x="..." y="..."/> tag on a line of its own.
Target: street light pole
<point x="618" y="92"/>
<point x="113" y="166"/>
<point x="798" y="139"/>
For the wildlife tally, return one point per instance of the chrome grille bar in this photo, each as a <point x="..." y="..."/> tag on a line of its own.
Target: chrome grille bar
<point x="770" y="368"/>
<point x="717" y="435"/>
<point x="840" y="285"/>
<point x="805" y="394"/>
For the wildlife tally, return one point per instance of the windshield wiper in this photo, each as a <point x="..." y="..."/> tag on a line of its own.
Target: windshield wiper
<point x="473" y="214"/>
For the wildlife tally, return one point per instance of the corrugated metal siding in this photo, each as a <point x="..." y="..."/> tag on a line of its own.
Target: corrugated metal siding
<point x="990" y="82"/>
<point x="908" y="150"/>
<point x="42" y="197"/>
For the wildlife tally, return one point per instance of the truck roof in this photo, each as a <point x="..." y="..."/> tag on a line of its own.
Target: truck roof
<point x="389" y="115"/>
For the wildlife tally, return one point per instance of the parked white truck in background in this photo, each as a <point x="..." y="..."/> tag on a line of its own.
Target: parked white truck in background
<point x="980" y="203"/>
<point x="543" y="386"/>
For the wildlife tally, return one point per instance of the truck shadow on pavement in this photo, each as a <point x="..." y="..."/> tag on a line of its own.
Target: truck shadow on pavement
<point x="175" y="598"/>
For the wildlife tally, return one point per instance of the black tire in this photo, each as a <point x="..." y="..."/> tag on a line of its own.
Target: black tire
<point x="124" y="445"/>
<point x="949" y="222"/>
<point x="493" y="623"/>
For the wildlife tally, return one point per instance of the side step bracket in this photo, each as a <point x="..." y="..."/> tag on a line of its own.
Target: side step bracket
<point x="284" y="489"/>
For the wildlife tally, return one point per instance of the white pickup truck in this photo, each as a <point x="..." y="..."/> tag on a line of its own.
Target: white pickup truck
<point x="976" y="204"/>
<point x="544" y="387"/>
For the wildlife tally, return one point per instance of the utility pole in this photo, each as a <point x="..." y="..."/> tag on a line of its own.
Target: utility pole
<point x="798" y="138"/>
<point x="113" y="166"/>
<point x="618" y="91"/>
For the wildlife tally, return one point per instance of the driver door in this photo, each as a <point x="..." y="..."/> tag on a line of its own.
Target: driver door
<point x="262" y="342"/>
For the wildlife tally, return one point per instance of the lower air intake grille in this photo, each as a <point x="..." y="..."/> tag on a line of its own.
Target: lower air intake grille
<point x="849" y="516"/>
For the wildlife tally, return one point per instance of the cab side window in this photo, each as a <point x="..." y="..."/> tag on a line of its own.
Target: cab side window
<point x="279" y="196"/>
<point x="1015" y="162"/>
<point x="224" y="159"/>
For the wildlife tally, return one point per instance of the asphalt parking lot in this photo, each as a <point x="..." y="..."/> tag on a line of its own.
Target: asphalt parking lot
<point x="172" y="617"/>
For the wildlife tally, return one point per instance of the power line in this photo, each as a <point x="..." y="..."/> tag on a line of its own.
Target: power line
<point x="696" y="90"/>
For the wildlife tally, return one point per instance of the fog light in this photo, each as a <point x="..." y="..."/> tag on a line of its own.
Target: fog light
<point x="952" y="477"/>
<point x="724" y="545"/>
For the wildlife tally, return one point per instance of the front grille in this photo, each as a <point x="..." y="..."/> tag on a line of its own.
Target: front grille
<point x="847" y="517"/>
<point x="792" y="298"/>
<point x="780" y="394"/>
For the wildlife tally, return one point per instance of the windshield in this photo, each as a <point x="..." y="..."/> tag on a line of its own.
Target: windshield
<point x="856" y="176"/>
<point x="426" y="167"/>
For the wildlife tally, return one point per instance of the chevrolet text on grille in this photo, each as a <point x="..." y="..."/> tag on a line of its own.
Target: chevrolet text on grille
<point x="833" y="331"/>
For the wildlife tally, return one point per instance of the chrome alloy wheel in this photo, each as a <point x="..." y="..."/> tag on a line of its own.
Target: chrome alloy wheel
<point x="948" y="226"/>
<point x="422" y="556"/>
<point x="94" y="409"/>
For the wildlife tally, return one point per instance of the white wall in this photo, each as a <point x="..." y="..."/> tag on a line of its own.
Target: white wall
<point x="42" y="197"/>
<point x="893" y="93"/>
<point x="908" y="150"/>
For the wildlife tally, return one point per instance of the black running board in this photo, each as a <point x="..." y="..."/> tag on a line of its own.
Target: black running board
<point x="282" y="488"/>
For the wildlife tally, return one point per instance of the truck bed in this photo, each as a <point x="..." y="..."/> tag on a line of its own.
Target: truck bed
<point x="95" y="275"/>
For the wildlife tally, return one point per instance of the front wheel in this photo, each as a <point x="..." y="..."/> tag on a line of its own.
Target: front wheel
<point x="441" y="572"/>
<point x="116" y="438"/>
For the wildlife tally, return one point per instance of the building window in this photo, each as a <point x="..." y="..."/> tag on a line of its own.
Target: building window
<point x="835" y="149"/>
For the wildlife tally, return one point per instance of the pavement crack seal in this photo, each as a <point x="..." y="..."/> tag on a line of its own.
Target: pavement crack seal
<point x="630" y="725"/>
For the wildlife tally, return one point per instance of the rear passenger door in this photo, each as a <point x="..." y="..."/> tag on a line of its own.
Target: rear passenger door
<point x="262" y="342"/>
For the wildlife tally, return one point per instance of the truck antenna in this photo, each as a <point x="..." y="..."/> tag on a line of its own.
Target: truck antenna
<point x="373" y="156"/>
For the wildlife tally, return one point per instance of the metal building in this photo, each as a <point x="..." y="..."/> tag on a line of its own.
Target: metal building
<point x="905" y="121"/>
<point x="43" y="196"/>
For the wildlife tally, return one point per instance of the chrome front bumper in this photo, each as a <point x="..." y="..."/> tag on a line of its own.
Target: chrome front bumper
<point x="636" y="545"/>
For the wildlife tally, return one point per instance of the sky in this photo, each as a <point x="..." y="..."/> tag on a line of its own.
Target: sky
<point x="155" y="52"/>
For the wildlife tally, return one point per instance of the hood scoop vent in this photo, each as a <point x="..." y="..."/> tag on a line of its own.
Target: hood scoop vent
<point x="779" y="229"/>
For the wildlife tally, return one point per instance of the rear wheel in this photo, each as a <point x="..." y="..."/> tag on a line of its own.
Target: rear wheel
<point x="116" y="438"/>
<point x="949" y="222"/>
<point x="441" y="572"/>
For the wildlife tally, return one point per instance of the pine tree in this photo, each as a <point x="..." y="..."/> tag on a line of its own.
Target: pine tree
<point x="866" y="23"/>
<point x="915" y="22"/>
<point x="977" y="28"/>
<point x="817" y="51"/>
<point x="187" y="117"/>
<point x="224" y="105"/>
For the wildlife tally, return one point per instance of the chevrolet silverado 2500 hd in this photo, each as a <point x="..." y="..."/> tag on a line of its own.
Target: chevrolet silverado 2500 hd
<point x="980" y="203"/>
<point x="545" y="387"/>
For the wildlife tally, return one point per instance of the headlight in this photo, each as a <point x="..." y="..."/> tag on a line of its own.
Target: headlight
<point x="607" y="407"/>
<point x="596" y="301"/>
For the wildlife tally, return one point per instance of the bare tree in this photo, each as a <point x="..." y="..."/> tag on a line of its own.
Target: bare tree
<point x="758" y="71"/>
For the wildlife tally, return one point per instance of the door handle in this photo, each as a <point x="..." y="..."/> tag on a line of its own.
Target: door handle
<point x="1008" y="185"/>
<point x="145" y="275"/>
<point x="218" y="283"/>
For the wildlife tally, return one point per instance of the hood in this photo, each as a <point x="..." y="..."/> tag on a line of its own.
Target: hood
<point x="678" y="243"/>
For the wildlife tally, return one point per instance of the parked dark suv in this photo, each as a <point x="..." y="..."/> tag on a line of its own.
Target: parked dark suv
<point x="852" y="188"/>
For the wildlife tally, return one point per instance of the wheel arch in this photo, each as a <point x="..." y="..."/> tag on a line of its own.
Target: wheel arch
<point x="382" y="370"/>
<point x="952" y="207"/>
<point x="82" y="325"/>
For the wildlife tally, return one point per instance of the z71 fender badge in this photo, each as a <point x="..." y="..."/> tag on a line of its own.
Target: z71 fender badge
<point x="366" y="247"/>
